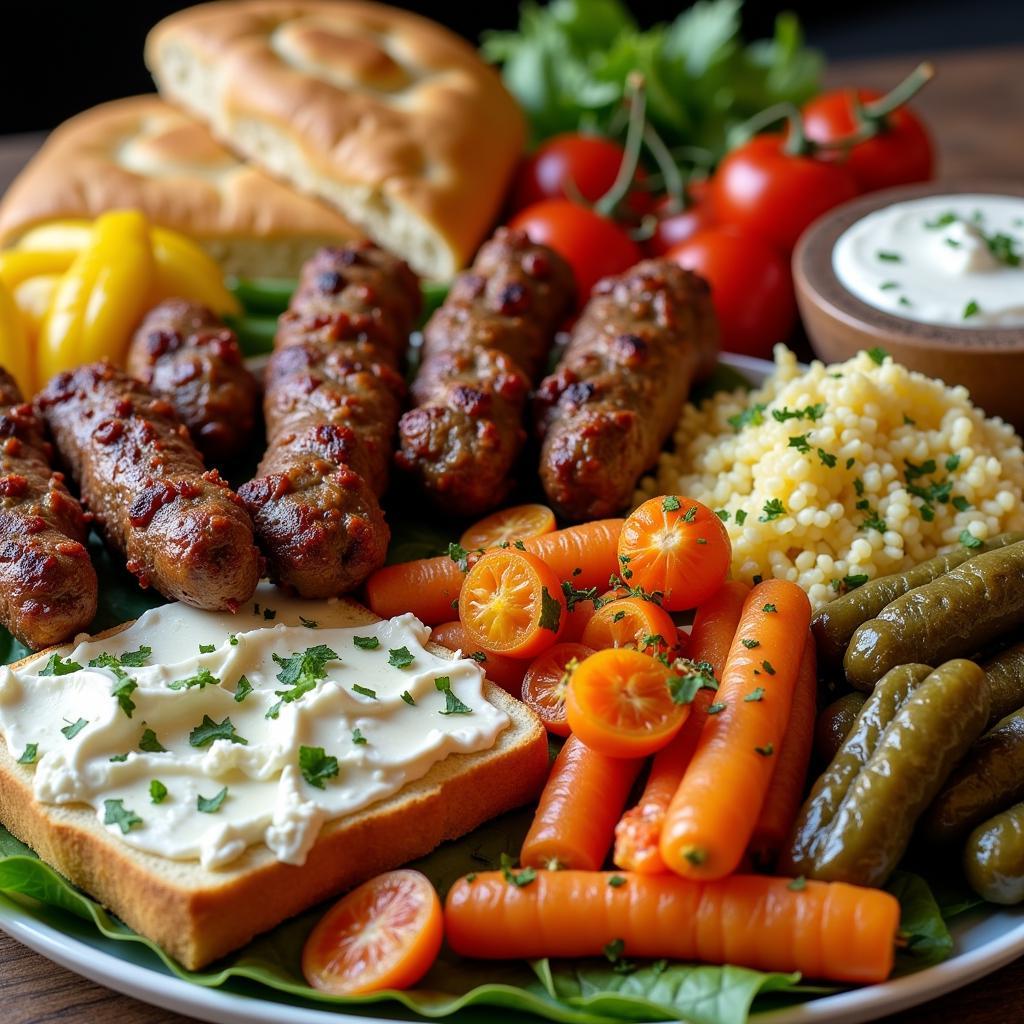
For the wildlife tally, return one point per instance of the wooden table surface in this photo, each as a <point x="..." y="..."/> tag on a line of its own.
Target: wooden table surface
<point x="976" y="108"/>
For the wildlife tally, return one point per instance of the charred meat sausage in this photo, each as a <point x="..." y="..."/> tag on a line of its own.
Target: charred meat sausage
<point x="179" y="526"/>
<point x="47" y="583"/>
<point x="641" y="340"/>
<point x="481" y="351"/>
<point x="183" y="352"/>
<point x="333" y="398"/>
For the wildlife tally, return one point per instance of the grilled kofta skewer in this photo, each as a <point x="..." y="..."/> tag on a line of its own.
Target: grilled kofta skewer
<point x="640" y="342"/>
<point x="183" y="352"/>
<point x="179" y="526"/>
<point x="482" y="350"/>
<point x="333" y="397"/>
<point x="47" y="583"/>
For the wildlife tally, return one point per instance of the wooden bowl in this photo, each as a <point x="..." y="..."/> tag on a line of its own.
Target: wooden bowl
<point x="988" y="361"/>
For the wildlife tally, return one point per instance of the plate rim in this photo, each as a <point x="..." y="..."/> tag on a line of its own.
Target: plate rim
<point x="154" y="986"/>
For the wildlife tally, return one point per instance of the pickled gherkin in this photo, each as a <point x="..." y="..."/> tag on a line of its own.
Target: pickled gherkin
<point x="954" y="616"/>
<point x="834" y="625"/>
<point x="913" y="729"/>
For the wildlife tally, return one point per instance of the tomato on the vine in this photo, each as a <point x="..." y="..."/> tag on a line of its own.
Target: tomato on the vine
<point x="675" y="226"/>
<point x="592" y="245"/>
<point x="576" y="166"/>
<point x="900" y="154"/>
<point x="772" y="193"/>
<point x="751" y="287"/>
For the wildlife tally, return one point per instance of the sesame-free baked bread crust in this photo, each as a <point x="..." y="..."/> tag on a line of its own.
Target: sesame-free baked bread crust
<point x="388" y="116"/>
<point x="142" y="153"/>
<point x="197" y="915"/>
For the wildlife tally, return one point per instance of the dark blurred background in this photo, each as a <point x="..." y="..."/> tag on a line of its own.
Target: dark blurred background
<point x="58" y="58"/>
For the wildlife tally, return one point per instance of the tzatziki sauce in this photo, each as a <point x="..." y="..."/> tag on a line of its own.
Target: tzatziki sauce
<point x="954" y="260"/>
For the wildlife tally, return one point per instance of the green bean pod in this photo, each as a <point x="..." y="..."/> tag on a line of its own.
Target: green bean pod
<point x="264" y="296"/>
<point x="913" y="729"/>
<point x="994" y="857"/>
<point x="1005" y="671"/>
<point x="956" y="615"/>
<point x="834" y="725"/>
<point x="834" y="625"/>
<point x="988" y="780"/>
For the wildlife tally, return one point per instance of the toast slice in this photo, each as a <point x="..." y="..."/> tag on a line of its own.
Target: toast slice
<point x="197" y="915"/>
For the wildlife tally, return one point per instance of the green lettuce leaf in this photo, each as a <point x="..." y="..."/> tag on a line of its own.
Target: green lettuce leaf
<point x="567" y="64"/>
<point x="927" y="938"/>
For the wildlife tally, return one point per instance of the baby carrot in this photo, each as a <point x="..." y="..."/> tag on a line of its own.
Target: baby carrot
<point x="828" y="930"/>
<point x="712" y="816"/>
<point x="790" y="776"/>
<point x="638" y="834"/>
<point x="429" y="587"/>
<point x="583" y="799"/>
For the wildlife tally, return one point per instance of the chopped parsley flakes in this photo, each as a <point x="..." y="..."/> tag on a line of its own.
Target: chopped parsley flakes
<point x="201" y="679"/>
<point x="115" y="813"/>
<point x="300" y="673"/>
<point x="212" y="804"/>
<point x="208" y="730"/>
<point x="71" y="730"/>
<point x="57" y="666"/>
<point x="400" y="657"/>
<point x="366" y="643"/>
<point x="316" y="766"/>
<point x="453" y="706"/>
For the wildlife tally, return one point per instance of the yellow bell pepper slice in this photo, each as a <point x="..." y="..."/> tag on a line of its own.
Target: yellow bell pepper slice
<point x="185" y="271"/>
<point x="18" y="265"/>
<point x="16" y="355"/>
<point x="102" y="296"/>
<point x="33" y="298"/>
<point x="55" y="235"/>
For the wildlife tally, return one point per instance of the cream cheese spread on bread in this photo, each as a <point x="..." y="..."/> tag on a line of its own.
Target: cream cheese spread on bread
<point x="195" y="735"/>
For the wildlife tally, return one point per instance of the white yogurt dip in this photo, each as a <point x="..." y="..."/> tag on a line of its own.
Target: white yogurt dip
<point x="955" y="260"/>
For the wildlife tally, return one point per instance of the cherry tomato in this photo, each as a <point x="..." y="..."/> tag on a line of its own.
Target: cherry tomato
<point x="619" y="703"/>
<point x="899" y="155"/>
<point x="631" y="622"/>
<point x="751" y="287"/>
<point x="512" y="603"/>
<point x="673" y="228"/>
<point x="572" y="166"/>
<point x="508" y="525"/>
<point x="677" y="546"/>
<point x="761" y="187"/>
<point x="545" y="683"/>
<point x="594" y="246"/>
<point x="385" y="934"/>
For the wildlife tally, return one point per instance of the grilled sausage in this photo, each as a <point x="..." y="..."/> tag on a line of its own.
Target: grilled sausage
<point x="184" y="353"/>
<point x="481" y="351"/>
<point x="47" y="583"/>
<point x="180" y="527"/>
<point x="333" y="398"/>
<point x="641" y="340"/>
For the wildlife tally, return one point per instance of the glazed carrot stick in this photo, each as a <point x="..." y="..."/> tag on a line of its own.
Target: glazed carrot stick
<point x="712" y="816"/>
<point x="790" y="776"/>
<point x="638" y="834"/>
<point x="581" y="802"/>
<point x="827" y="930"/>
<point x="427" y="587"/>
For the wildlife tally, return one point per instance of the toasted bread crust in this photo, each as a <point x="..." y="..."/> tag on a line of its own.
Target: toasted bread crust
<point x="197" y="915"/>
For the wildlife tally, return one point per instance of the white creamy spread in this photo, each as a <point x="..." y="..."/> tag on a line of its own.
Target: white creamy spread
<point x="342" y="718"/>
<point x="956" y="260"/>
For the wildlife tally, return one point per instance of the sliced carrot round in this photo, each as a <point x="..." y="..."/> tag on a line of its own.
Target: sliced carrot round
<point x="631" y="622"/>
<point x="508" y="525"/>
<point x="678" y="547"/>
<point x="512" y="603"/>
<point x="506" y="672"/>
<point x="545" y="683"/>
<point x="383" y="935"/>
<point x="620" y="704"/>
